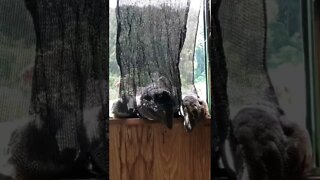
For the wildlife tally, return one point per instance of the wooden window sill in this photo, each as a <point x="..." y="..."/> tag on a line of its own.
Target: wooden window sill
<point x="140" y="121"/>
<point x="147" y="150"/>
<point x="314" y="174"/>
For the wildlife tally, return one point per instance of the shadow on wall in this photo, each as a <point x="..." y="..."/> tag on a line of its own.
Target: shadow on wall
<point x="289" y="82"/>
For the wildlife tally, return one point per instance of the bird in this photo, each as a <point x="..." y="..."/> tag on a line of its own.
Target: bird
<point x="271" y="146"/>
<point x="125" y="107"/>
<point x="193" y="110"/>
<point x="157" y="102"/>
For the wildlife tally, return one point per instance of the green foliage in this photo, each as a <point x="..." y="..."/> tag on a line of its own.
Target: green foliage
<point x="200" y="78"/>
<point x="113" y="65"/>
<point x="200" y="62"/>
<point x="16" y="22"/>
<point x="199" y="55"/>
<point x="284" y="41"/>
<point x="290" y="15"/>
<point x="17" y="51"/>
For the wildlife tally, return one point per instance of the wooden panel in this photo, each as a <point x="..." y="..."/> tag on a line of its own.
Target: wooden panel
<point x="140" y="150"/>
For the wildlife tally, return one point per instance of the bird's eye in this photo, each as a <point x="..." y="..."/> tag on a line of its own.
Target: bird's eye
<point x="200" y="102"/>
<point x="162" y="97"/>
<point x="157" y="97"/>
<point x="165" y="94"/>
<point x="148" y="98"/>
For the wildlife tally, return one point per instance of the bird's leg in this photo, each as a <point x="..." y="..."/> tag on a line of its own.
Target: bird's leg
<point x="194" y="110"/>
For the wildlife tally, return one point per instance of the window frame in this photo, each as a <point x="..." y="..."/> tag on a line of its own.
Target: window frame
<point x="311" y="18"/>
<point x="316" y="43"/>
<point x="206" y="27"/>
<point x="206" y="62"/>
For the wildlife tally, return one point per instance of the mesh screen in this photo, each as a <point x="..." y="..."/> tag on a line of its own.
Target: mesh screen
<point x="244" y="38"/>
<point x="237" y="58"/>
<point x="255" y="112"/>
<point x="64" y="77"/>
<point x="150" y="37"/>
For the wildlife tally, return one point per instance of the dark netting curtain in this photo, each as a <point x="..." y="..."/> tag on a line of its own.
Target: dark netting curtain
<point x="244" y="39"/>
<point x="237" y="59"/>
<point x="265" y="144"/>
<point x="150" y="37"/>
<point x="66" y="132"/>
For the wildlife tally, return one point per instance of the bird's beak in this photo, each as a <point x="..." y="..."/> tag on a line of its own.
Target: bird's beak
<point x="166" y="114"/>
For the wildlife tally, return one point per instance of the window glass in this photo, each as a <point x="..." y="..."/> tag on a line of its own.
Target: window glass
<point x="192" y="59"/>
<point x="114" y="72"/>
<point x="285" y="57"/>
<point x="200" y="76"/>
<point x="17" y="54"/>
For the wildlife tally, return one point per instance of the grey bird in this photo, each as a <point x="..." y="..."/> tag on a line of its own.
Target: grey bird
<point x="125" y="107"/>
<point x="193" y="110"/>
<point x="270" y="146"/>
<point x="158" y="103"/>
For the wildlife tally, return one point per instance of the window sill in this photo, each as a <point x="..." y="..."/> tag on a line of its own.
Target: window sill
<point x="144" y="149"/>
<point x="140" y="121"/>
<point x="314" y="174"/>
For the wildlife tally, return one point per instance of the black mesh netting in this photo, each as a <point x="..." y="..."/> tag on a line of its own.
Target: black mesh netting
<point x="66" y="131"/>
<point x="244" y="38"/>
<point x="264" y="143"/>
<point x="150" y="37"/>
<point x="238" y="55"/>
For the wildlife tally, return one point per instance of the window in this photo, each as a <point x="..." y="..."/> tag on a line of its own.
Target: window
<point x="17" y="54"/>
<point x="285" y="57"/>
<point x="293" y="61"/>
<point x="192" y="63"/>
<point x="114" y="71"/>
<point x="311" y="29"/>
<point x="289" y="57"/>
<point x="317" y="58"/>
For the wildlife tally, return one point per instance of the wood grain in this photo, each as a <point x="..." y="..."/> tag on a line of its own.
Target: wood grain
<point x="140" y="150"/>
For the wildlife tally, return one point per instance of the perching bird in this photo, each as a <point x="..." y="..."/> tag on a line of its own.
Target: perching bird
<point x="261" y="144"/>
<point x="270" y="147"/>
<point x="158" y="103"/>
<point x="193" y="110"/>
<point x="125" y="107"/>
